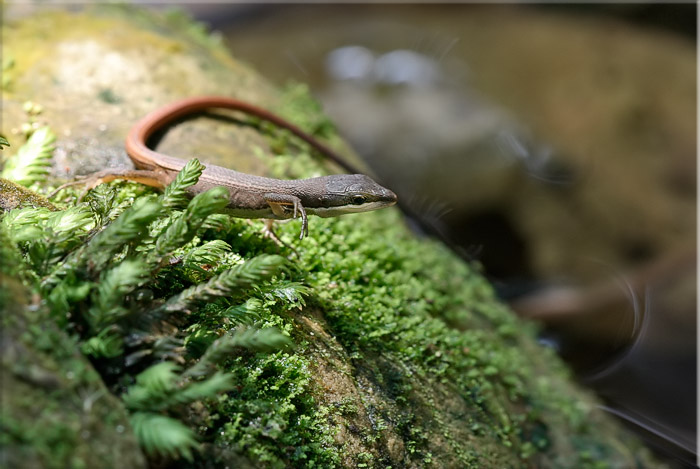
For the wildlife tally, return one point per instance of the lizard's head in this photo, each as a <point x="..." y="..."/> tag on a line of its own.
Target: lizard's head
<point x="351" y="193"/>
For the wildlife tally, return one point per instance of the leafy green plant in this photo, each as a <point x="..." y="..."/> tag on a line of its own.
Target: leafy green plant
<point x="163" y="436"/>
<point x="32" y="161"/>
<point x="126" y="278"/>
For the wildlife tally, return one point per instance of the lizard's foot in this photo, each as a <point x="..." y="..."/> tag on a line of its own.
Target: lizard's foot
<point x="269" y="232"/>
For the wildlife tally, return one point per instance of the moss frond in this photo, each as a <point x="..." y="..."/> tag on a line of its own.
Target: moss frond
<point x="32" y="162"/>
<point x="162" y="388"/>
<point x="99" y="251"/>
<point x="175" y="195"/>
<point x="10" y="256"/>
<point x="24" y="224"/>
<point x="157" y="379"/>
<point x="209" y="253"/>
<point x="230" y="282"/>
<point x="245" y="313"/>
<point x="184" y="226"/>
<point x="162" y="436"/>
<point x="109" y="343"/>
<point x="107" y="305"/>
<point x="259" y="340"/>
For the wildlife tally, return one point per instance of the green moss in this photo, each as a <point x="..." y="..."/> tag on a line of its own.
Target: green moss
<point x="53" y="401"/>
<point x="379" y="300"/>
<point x="430" y="367"/>
<point x="13" y="195"/>
<point x="298" y="106"/>
<point x="272" y="417"/>
<point x="387" y="297"/>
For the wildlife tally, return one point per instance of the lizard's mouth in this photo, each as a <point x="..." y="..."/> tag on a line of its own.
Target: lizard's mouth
<point x="325" y="212"/>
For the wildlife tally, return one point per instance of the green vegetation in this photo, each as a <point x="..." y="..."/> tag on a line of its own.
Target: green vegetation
<point x="127" y="279"/>
<point x="32" y="162"/>
<point x="363" y="346"/>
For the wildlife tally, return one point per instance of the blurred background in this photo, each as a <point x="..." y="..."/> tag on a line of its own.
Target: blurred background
<point x="553" y="144"/>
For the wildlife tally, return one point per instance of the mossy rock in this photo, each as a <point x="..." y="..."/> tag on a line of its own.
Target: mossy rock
<point x="56" y="410"/>
<point x="404" y="357"/>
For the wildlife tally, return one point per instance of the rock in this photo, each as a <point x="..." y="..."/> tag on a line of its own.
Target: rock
<point x="56" y="410"/>
<point x="404" y="357"/>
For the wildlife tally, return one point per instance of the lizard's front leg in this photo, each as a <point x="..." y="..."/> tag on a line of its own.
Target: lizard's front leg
<point x="278" y="203"/>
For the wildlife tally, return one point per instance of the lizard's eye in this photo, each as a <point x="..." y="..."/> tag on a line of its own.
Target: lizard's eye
<point x="358" y="199"/>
